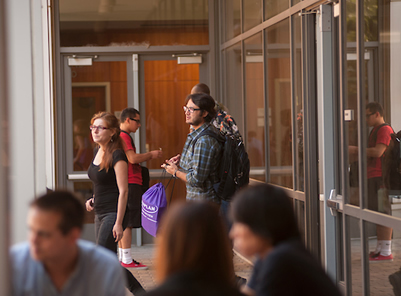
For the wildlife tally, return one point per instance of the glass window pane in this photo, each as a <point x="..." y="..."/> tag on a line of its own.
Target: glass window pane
<point x="232" y="18"/>
<point x="127" y="22"/>
<point x="255" y="106"/>
<point x="274" y="7"/>
<point x="233" y="83"/>
<point x="351" y="102"/>
<point x="252" y="13"/>
<point x="92" y="90"/>
<point x="355" y="248"/>
<point x="371" y="19"/>
<point x="299" y="136"/>
<point x="279" y="93"/>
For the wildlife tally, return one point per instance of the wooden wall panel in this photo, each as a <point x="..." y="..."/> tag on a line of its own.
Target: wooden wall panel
<point x="167" y="84"/>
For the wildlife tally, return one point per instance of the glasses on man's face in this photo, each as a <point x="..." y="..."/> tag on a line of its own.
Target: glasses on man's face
<point x="370" y="114"/>
<point x="95" y="128"/>
<point x="190" y="109"/>
<point x="136" y="120"/>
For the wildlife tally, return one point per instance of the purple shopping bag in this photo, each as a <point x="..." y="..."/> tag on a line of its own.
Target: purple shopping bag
<point x="154" y="204"/>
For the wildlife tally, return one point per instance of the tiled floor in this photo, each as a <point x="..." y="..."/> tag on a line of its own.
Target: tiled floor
<point x="379" y="271"/>
<point x="144" y="254"/>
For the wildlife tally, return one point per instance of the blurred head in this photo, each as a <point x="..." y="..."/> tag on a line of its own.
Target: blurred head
<point x="200" y="88"/>
<point x="55" y="222"/>
<point x="193" y="238"/>
<point x="130" y="120"/>
<point x="263" y="218"/>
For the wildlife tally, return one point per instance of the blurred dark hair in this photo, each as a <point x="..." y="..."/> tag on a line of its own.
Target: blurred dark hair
<point x="193" y="238"/>
<point x="115" y="142"/>
<point x="375" y="107"/>
<point x="65" y="203"/>
<point x="128" y="113"/>
<point x="267" y="211"/>
<point x="205" y="103"/>
<point x="201" y="88"/>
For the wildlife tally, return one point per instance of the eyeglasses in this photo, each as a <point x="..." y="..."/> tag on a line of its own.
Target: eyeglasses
<point x="370" y="114"/>
<point x="190" y="109"/>
<point x="97" y="128"/>
<point x="136" y="120"/>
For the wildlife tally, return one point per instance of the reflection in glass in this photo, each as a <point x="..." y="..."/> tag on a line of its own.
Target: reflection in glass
<point x="255" y="108"/>
<point x="130" y="23"/>
<point x="252" y="13"/>
<point x="351" y="102"/>
<point x="274" y="7"/>
<point x="233" y="83"/>
<point x="92" y="90"/>
<point x="297" y="74"/>
<point x="232" y="17"/>
<point x="383" y="272"/>
<point x="279" y="93"/>
<point x="371" y="20"/>
<point x="356" y="263"/>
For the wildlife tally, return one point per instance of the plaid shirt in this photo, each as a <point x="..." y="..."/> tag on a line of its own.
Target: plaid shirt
<point x="200" y="163"/>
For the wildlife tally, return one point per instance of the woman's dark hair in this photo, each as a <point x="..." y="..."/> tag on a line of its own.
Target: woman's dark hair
<point x="205" y="103"/>
<point x="267" y="211"/>
<point x="65" y="203"/>
<point x="115" y="142"/>
<point x="193" y="238"/>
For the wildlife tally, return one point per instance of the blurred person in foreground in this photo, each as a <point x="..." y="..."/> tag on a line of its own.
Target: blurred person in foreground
<point x="55" y="261"/>
<point x="193" y="254"/>
<point x="265" y="226"/>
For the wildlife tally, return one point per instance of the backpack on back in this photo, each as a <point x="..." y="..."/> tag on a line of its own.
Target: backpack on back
<point x="234" y="165"/>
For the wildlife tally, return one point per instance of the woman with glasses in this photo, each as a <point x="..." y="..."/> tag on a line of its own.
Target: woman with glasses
<point x="109" y="174"/>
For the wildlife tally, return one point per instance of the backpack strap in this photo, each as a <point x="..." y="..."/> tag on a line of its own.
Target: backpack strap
<point x="208" y="132"/>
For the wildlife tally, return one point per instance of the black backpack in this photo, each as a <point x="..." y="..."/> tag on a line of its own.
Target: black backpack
<point x="234" y="165"/>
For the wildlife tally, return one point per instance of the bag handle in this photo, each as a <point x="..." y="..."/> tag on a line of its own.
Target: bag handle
<point x="165" y="188"/>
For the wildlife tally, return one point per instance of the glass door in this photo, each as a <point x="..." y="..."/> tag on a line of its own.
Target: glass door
<point x="92" y="83"/>
<point x="166" y="82"/>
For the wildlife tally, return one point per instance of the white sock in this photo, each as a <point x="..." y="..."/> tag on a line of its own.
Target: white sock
<point x="378" y="246"/>
<point x="386" y="248"/>
<point x="126" y="258"/>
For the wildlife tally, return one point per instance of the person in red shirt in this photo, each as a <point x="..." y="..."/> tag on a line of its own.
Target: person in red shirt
<point x="130" y="122"/>
<point x="379" y="139"/>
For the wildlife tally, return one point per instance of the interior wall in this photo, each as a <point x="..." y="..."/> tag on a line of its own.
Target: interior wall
<point x="167" y="84"/>
<point x="150" y="36"/>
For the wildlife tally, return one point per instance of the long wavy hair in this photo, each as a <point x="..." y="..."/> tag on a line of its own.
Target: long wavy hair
<point x="115" y="142"/>
<point x="193" y="235"/>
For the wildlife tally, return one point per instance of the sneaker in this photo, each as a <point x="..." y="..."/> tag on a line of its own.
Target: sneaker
<point x="381" y="258"/>
<point x="395" y="281"/>
<point x="373" y="254"/>
<point x="134" y="264"/>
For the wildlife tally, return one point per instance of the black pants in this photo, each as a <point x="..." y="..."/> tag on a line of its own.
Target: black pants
<point x="132" y="284"/>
